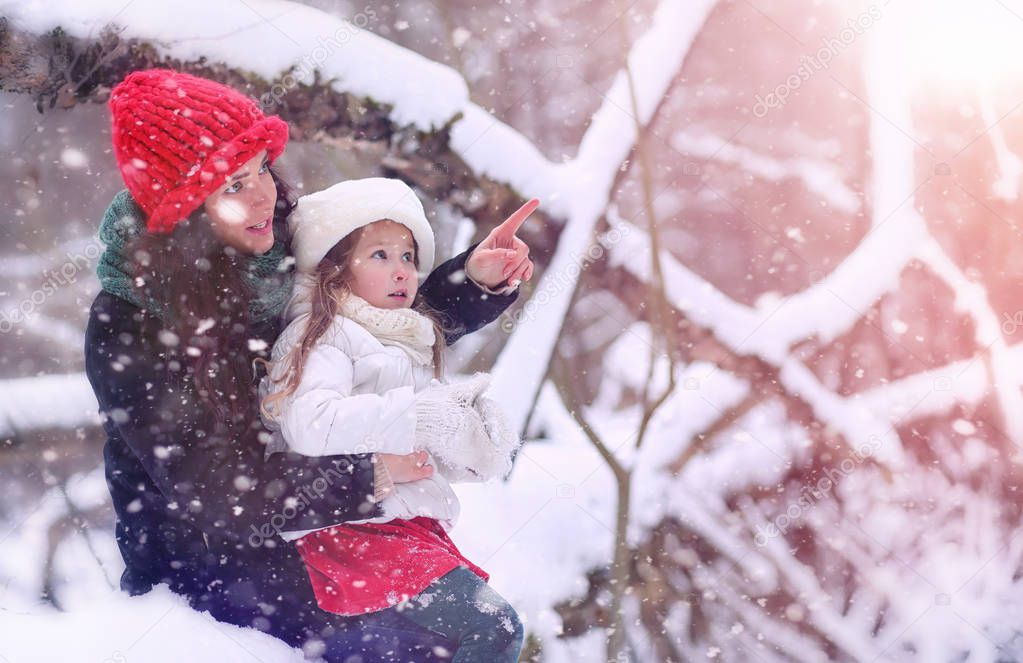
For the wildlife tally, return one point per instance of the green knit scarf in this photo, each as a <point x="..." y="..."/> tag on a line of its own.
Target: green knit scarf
<point x="124" y="220"/>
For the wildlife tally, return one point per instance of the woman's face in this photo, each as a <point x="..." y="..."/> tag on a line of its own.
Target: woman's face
<point x="382" y="268"/>
<point x="242" y="210"/>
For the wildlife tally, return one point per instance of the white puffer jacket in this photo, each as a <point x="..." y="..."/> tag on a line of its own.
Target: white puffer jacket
<point x="357" y="395"/>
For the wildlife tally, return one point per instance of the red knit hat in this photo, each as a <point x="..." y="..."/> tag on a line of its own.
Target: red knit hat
<point x="178" y="137"/>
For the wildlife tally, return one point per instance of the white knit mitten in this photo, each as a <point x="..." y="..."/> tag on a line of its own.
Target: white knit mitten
<point x="463" y="393"/>
<point x="474" y="441"/>
<point x="501" y="442"/>
<point x="445" y="412"/>
<point x="461" y="454"/>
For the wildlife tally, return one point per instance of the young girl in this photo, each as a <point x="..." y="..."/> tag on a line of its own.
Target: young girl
<point x="355" y="371"/>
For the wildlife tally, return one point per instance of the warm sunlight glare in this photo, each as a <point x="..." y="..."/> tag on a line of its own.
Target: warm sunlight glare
<point x="955" y="43"/>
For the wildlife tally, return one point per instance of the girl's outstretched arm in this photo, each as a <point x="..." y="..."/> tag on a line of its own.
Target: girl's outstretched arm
<point x="499" y="265"/>
<point x="463" y="306"/>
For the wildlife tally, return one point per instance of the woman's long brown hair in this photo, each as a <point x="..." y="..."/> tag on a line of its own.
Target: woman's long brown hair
<point x="207" y="325"/>
<point x="332" y="277"/>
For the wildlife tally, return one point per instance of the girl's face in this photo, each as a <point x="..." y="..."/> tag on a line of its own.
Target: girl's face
<point x="382" y="268"/>
<point x="242" y="210"/>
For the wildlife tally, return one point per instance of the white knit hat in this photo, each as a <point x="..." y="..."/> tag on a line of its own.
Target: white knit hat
<point x="322" y="219"/>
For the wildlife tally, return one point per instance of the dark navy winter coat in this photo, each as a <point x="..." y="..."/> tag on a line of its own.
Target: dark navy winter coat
<point x="197" y="511"/>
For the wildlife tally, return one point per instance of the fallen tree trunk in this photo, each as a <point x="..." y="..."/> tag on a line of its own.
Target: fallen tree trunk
<point x="60" y="71"/>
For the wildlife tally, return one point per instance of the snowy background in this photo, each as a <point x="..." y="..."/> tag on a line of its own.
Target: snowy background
<point x="770" y="366"/>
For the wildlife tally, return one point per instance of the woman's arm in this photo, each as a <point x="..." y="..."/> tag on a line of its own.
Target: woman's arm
<point x="217" y="483"/>
<point x="463" y="305"/>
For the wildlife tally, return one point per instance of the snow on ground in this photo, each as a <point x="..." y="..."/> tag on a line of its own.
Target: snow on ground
<point x="115" y="628"/>
<point x="100" y="623"/>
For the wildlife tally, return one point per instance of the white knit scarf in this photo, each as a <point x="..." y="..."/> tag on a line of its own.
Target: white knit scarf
<point x="405" y="328"/>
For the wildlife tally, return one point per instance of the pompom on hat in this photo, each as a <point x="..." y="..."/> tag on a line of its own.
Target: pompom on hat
<point x="322" y="219"/>
<point x="178" y="137"/>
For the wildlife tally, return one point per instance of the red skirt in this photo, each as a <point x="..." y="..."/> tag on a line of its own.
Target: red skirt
<point x="355" y="569"/>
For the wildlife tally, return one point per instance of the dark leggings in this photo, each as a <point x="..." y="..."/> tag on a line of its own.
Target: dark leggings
<point x="459" y="619"/>
<point x="462" y="608"/>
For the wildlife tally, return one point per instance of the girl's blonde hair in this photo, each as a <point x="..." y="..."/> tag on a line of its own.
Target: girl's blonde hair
<point x="332" y="277"/>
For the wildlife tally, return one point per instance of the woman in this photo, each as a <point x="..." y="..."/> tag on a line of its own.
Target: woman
<point x="196" y="271"/>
